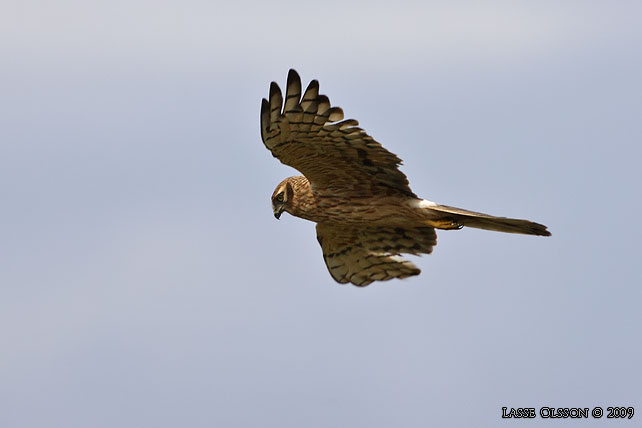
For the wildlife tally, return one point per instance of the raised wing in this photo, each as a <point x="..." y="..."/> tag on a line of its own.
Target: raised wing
<point x="361" y="255"/>
<point x="334" y="154"/>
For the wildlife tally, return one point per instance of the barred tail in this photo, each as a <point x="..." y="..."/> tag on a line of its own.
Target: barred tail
<point x="489" y="222"/>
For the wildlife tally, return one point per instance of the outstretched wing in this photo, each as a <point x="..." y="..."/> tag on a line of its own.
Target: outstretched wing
<point x="367" y="254"/>
<point x="334" y="154"/>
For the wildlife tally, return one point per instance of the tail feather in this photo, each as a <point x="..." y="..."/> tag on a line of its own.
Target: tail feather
<point x="489" y="222"/>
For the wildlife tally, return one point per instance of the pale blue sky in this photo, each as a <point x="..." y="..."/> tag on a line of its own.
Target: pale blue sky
<point x="145" y="282"/>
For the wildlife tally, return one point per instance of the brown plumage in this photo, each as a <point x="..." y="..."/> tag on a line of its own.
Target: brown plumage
<point x="353" y="189"/>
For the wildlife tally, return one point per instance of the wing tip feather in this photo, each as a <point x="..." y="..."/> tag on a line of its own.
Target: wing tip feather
<point x="293" y="76"/>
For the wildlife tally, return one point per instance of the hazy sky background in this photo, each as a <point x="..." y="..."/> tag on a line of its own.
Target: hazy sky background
<point x="145" y="283"/>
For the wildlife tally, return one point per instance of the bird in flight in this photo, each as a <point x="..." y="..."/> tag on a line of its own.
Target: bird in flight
<point x="352" y="188"/>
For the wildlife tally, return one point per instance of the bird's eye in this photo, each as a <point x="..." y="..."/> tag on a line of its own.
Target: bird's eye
<point x="279" y="197"/>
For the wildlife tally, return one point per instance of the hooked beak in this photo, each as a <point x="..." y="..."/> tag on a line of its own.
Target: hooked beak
<point x="277" y="211"/>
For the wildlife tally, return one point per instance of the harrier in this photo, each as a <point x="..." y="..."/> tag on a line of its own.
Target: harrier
<point x="352" y="187"/>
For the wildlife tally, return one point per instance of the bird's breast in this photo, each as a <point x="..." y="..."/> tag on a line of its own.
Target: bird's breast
<point x="346" y="210"/>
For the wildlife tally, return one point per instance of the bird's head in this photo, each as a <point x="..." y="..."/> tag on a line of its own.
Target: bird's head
<point x="282" y="197"/>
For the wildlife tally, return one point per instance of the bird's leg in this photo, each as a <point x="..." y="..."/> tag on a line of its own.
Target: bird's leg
<point x="445" y="224"/>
